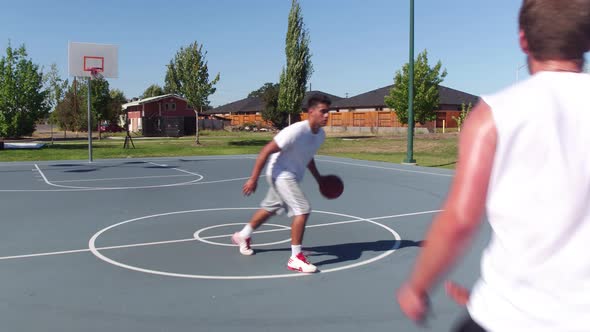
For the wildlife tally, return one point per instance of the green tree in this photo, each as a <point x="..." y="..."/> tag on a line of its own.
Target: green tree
<point x="23" y="99"/>
<point x="153" y="90"/>
<point x="271" y="112"/>
<point x="188" y="75"/>
<point x="55" y="86"/>
<point x="260" y="91"/>
<point x="294" y="77"/>
<point x="69" y="113"/>
<point x="426" y="81"/>
<point x="172" y="82"/>
<point x="463" y="115"/>
<point x="116" y="102"/>
<point x="269" y="94"/>
<point x="72" y="112"/>
<point x="57" y="89"/>
<point x="100" y="100"/>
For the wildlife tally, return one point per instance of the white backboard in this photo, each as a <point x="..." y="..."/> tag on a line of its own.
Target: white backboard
<point x="82" y="57"/>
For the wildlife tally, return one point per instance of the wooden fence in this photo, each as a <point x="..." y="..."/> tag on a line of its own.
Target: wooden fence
<point x="239" y="120"/>
<point x="343" y="119"/>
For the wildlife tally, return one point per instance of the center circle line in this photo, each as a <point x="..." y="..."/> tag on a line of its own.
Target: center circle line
<point x="99" y="255"/>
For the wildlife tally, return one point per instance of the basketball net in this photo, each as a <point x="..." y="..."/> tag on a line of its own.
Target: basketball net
<point x="95" y="73"/>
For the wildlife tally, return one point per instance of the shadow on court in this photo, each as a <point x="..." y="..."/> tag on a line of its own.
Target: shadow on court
<point x="250" y="142"/>
<point x="442" y="165"/>
<point x="349" y="251"/>
<point x="66" y="165"/>
<point x="85" y="168"/>
<point x="160" y="167"/>
<point x="82" y="170"/>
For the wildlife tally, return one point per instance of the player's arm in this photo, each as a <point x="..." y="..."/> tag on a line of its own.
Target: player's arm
<point x="314" y="170"/>
<point x="454" y="227"/>
<point x="250" y="185"/>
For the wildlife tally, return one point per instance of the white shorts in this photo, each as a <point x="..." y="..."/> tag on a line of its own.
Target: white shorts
<point x="285" y="194"/>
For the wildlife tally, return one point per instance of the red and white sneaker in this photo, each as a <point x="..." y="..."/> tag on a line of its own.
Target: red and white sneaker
<point x="300" y="263"/>
<point x="243" y="244"/>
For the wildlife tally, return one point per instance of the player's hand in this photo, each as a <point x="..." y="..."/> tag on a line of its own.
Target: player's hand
<point x="456" y="292"/>
<point x="249" y="187"/>
<point x="413" y="304"/>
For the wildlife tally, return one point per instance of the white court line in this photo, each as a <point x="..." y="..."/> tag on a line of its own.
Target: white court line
<point x="121" y="188"/>
<point x="42" y="175"/>
<point x="176" y="169"/>
<point x="387" y="168"/>
<point x="52" y="253"/>
<point x="107" y="161"/>
<point x="73" y="188"/>
<point x="228" y="180"/>
<point x="103" y="248"/>
<point x="127" y="178"/>
<point x="350" y="221"/>
<point x="101" y="256"/>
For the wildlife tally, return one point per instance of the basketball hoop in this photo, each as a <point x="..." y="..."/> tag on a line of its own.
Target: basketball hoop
<point x="95" y="73"/>
<point x="93" y="61"/>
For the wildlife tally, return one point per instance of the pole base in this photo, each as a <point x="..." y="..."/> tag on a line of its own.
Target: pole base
<point x="411" y="162"/>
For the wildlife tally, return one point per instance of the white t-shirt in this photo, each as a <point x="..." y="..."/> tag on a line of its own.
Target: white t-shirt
<point x="298" y="146"/>
<point x="535" y="273"/>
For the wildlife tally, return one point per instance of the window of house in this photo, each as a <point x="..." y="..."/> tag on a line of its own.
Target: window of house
<point x="169" y="106"/>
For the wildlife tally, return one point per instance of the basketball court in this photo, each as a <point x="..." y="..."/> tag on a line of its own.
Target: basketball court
<point x="144" y="245"/>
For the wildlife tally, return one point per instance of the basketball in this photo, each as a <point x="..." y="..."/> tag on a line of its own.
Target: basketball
<point x="331" y="186"/>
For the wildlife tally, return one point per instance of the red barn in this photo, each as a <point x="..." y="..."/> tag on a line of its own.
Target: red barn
<point x="166" y="115"/>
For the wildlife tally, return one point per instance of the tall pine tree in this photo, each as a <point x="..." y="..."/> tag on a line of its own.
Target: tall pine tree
<point x="294" y="77"/>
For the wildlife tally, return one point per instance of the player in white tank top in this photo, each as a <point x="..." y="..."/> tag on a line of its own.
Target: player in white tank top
<point x="524" y="161"/>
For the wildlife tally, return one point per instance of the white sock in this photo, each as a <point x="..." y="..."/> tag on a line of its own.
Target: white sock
<point x="246" y="231"/>
<point x="295" y="250"/>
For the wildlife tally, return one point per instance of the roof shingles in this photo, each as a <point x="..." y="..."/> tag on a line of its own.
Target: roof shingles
<point x="256" y="104"/>
<point x="376" y="98"/>
<point x="371" y="99"/>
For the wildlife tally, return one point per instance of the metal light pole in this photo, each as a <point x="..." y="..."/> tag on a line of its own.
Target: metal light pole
<point x="410" y="150"/>
<point x="89" y="124"/>
<point x="518" y="70"/>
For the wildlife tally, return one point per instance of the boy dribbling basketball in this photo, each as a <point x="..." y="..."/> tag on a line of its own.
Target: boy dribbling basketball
<point x="290" y="152"/>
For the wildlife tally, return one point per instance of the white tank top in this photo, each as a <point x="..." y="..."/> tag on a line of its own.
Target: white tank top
<point x="536" y="270"/>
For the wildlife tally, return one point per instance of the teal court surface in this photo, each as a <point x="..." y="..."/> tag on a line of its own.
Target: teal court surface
<point x="144" y="245"/>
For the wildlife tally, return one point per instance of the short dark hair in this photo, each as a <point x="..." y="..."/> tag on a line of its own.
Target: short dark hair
<point x="556" y="29"/>
<point x="318" y="99"/>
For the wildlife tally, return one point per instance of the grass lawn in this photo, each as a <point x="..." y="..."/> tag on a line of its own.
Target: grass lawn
<point x="429" y="150"/>
<point x="435" y="150"/>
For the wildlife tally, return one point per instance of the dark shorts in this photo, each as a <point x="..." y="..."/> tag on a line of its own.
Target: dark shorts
<point x="468" y="325"/>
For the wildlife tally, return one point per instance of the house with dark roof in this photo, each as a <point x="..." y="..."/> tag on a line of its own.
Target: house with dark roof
<point x="243" y="106"/>
<point x="249" y="110"/>
<point x="366" y="110"/>
<point x="253" y="105"/>
<point x="450" y="101"/>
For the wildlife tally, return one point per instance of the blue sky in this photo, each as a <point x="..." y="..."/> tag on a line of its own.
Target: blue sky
<point x="357" y="45"/>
